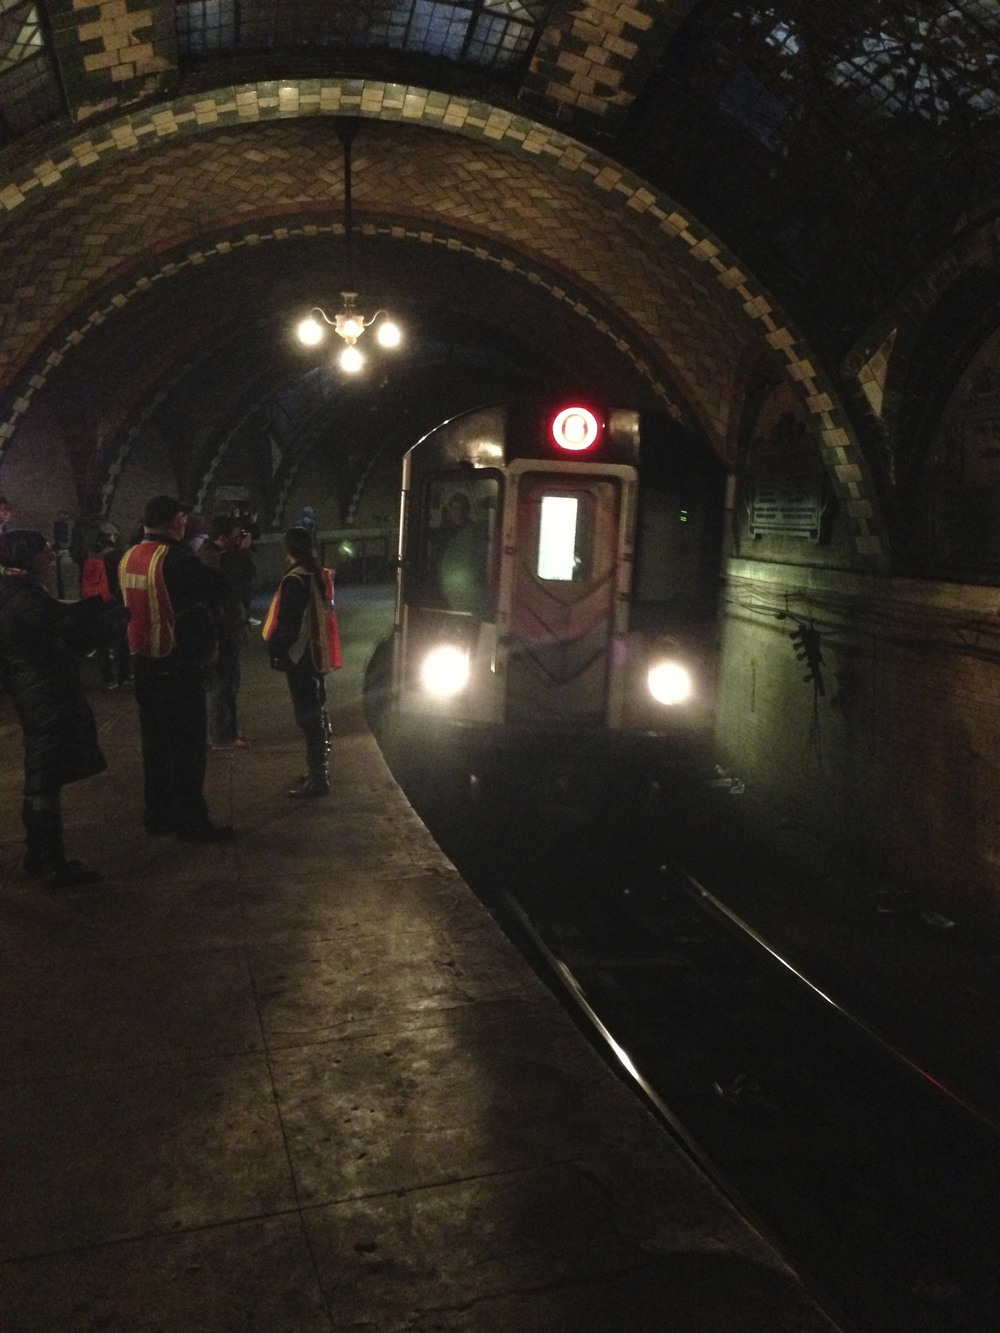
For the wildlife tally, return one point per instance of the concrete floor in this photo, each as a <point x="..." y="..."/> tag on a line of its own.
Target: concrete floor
<point x="303" y="1082"/>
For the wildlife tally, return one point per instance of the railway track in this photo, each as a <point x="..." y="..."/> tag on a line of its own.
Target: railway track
<point x="878" y="1186"/>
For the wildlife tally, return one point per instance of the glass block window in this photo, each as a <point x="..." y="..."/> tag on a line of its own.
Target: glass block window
<point x="206" y="27"/>
<point x="937" y="62"/>
<point x="494" y="34"/>
<point x="29" y="89"/>
<point x="924" y="67"/>
<point x="499" y="40"/>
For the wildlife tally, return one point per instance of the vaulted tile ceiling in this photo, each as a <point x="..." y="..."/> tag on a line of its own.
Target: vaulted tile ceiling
<point x="836" y="148"/>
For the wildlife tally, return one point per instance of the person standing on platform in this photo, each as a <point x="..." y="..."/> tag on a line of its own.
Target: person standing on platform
<point x="39" y="639"/>
<point x="303" y="640"/>
<point x="112" y="549"/>
<point x="83" y="535"/>
<point x="176" y="604"/>
<point x="240" y="567"/>
<point x="224" y="533"/>
<point x="60" y="540"/>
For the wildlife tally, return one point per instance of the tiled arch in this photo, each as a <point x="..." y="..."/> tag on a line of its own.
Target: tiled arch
<point x="689" y="245"/>
<point x="901" y="326"/>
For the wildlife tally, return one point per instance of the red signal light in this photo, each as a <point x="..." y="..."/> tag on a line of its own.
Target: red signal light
<point x="575" y="429"/>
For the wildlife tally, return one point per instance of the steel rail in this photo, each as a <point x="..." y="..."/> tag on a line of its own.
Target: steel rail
<point x="900" y="1057"/>
<point x="705" y="1164"/>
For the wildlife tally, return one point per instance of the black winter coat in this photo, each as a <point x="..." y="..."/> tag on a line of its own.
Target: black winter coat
<point x="40" y="671"/>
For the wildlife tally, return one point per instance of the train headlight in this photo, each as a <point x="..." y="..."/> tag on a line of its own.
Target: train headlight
<point x="445" y="671"/>
<point x="670" y="683"/>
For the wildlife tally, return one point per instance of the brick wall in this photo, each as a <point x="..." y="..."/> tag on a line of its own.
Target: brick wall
<point x="899" y="760"/>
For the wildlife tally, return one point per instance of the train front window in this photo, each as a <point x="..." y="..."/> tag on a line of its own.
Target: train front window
<point x="459" y="542"/>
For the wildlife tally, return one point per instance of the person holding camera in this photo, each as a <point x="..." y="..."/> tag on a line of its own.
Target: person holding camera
<point x="239" y="562"/>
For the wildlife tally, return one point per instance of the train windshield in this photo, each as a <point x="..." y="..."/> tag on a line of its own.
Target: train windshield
<point x="459" y="536"/>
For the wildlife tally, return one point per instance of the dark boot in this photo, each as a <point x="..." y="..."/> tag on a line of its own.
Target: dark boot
<point x="327" y="726"/>
<point x="45" y="856"/>
<point x="317" y="779"/>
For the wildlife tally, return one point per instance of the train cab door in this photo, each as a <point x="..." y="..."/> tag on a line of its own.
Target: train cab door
<point x="567" y="564"/>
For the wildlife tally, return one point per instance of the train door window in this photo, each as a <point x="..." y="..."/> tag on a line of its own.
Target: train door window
<point x="558" y="522"/>
<point x="459" y="527"/>
<point x="573" y="527"/>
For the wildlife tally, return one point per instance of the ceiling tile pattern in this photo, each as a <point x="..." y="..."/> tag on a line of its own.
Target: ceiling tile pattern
<point x="837" y="148"/>
<point x="842" y="152"/>
<point x="70" y="247"/>
<point x="593" y="58"/>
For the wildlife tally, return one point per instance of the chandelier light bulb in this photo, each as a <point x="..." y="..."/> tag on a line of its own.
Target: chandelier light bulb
<point x="310" y="332"/>
<point x="350" y="326"/>
<point x="388" y="334"/>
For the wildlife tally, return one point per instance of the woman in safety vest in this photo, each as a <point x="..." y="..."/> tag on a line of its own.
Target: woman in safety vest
<point x="301" y="633"/>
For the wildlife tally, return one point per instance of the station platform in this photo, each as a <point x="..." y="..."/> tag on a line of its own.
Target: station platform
<point x="304" y="1082"/>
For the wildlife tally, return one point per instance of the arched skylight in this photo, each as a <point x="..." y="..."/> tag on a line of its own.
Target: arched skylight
<point x="29" y="89"/>
<point x="490" y="34"/>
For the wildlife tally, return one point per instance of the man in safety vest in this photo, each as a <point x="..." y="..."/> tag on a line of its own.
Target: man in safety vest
<point x="176" y="604"/>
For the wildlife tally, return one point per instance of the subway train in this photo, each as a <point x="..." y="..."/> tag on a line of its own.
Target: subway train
<point x="557" y="587"/>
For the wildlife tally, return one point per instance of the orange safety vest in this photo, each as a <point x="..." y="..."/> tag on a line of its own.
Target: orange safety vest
<point x="151" y="628"/>
<point x="319" y="625"/>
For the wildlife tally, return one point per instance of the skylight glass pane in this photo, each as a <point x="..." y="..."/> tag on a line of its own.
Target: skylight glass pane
<point x="20" y="35"/>
<point x="205" y="27"/>
<point x="498" y="40"/>
<point x="29" y="96"/>
<point x="438" y="30"/>
<point x="986" y="12"/>
<point x="747" y="99"/>
<point x="386" y="25"/>
<point x="503" y="35"/>
<point x="515" y="9"/>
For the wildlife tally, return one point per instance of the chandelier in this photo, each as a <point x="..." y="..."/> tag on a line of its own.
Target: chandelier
<point x="349" y="323"/>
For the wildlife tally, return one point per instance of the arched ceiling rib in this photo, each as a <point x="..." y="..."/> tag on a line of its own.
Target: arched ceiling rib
<point x="835" y="146"/>
<point x="562" y="215"/>
<point x="88" y="239"/>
